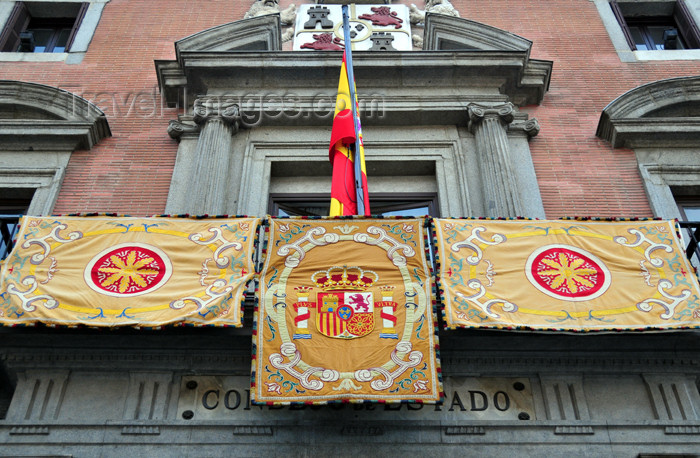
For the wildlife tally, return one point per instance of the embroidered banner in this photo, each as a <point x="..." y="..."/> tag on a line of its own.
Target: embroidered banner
<point x="345" y="313"/>
<point x="108" y="271"/>
<point x="565" y="275"/>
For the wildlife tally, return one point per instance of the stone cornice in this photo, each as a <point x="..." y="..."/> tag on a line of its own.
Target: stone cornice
<point x="654" y="114"/>
<point x="650" y="132"/>
<point x="257" y="33"/>
<point x="48" y="118"/>
<point x="53" y="135"/>
<point x="427" y="77"/>
<point x="469" y="34"/>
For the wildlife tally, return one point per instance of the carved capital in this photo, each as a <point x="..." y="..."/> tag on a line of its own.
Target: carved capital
<point x="177" y="129"/>
<point x="531" y="127"/>
<point x="478" y="113"/>
<point x="208" y="108"/>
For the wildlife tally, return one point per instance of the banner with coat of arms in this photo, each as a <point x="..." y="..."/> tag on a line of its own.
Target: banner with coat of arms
<point x="109" y="271"/>
<point x="567" y="275"/>
<point x="345" y="314"/>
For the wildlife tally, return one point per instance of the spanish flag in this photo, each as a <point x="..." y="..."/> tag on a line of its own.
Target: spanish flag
<point x="344" y="139"/>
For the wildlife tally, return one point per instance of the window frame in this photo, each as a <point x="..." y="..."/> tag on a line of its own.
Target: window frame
<point x="686" y="21"/>
<point x="21" y="20"/>
<point x="11" y="209"/>
<point x="685" y="201"/>
<point x="644" y="24"/>
<point x="87" y="20"/>
<point x="681" y="19"/>
<point x="276" y="201"/>
<point x="56" y="26"/>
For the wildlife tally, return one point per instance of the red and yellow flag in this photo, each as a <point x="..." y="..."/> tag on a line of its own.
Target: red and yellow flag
<point x="343" y="190"/>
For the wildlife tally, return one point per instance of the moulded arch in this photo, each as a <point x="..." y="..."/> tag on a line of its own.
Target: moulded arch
<point x="452" y="33"/>
<point x="661" y="113"/>
<point x="36" y="116"/>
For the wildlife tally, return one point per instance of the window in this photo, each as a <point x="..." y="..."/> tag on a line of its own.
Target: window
<point x="42" y="27"/>
<point x="657" y="26"/>
<point x="689" y="207"/>
<point x="385" y="204"/>
<point x="14" y="202"/>
<point x="688" y="201"/>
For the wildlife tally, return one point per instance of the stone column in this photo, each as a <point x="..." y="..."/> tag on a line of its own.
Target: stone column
<point x="489" y="124"/>
<point x="218" y="122"/>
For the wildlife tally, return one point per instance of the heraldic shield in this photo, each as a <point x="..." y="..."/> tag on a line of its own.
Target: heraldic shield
<point x="344" y="310"/>
<point x="345" y="313"/>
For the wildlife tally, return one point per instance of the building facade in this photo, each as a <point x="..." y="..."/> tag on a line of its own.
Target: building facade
<point x="492" y="109"/>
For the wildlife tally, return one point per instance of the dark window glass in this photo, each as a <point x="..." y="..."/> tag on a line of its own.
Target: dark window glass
<point x="381" y="204"/>
<point x="689" y="207"/>
<point x="653" y="27"/>
<point x="42" y="27"/>
<point x="50" y="35"/>
<point x="648" y="34"/>
<point x="14" y="202"/>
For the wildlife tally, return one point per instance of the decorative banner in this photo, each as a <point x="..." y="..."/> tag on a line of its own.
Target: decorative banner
<point x="108" y="271"/>
<point x="565" y="275"/>
<point x="345" y="313"/>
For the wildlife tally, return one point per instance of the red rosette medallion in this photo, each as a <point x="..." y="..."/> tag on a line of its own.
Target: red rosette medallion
<point x="129" y="269"/>
<point x="567" y="273"/>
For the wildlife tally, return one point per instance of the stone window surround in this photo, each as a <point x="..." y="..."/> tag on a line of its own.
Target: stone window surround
<point x="665" y="146"/>
<point x="457" y="104"/>
<point x="82" y="39"/>
<point x="69" y="123"/>
<point x="623" y="49"/>
<point x="262" y="152"/>
<point x="45" y="181"/>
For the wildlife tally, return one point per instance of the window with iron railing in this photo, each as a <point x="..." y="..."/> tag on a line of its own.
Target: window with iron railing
<point x="14" y="203"/>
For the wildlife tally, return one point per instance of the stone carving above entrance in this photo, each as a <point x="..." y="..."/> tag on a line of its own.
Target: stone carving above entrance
<point x="372" y="27"/>
<point x="443" y="7"/>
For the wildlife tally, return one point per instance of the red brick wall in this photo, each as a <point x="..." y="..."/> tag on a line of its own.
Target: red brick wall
<point x="130" y="172"/>
<point x="578" y="174"/>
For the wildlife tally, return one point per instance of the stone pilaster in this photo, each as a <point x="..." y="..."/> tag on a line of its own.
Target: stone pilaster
<point x="489" y="124"/>
<point x="218" y="123"/>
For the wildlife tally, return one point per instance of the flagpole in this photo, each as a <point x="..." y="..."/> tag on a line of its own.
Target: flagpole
<point x="359" y="193"/>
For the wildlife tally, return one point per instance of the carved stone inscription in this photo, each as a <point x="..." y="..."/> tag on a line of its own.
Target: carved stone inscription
<point x="466" y="398"/>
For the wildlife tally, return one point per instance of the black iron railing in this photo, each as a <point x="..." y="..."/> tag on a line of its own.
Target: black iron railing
<point x="8" y="230"/>
<point x="692" y="233"/>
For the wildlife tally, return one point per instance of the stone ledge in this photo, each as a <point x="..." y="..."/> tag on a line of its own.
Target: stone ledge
<point x="29" y="430"/>
<point x="362" y="431"/>
<point x="682" y="430"/>
<point x="141" y="430"/>
<point x="464" y="430"/>
<point x="563" y="430"/>
<point x="252" y="430"/>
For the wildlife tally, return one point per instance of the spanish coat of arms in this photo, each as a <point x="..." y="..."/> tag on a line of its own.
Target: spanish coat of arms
<point x="345" y="313"/>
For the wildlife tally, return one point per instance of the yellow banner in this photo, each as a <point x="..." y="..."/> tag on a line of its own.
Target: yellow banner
<point x="565" y="275"/>
<point x="108" y="271"/>
<point x="345" y="313"/>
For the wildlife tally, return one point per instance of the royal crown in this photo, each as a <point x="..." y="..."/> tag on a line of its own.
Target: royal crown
<point x="303" y="292"/>
<point x="344" y="278"/>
